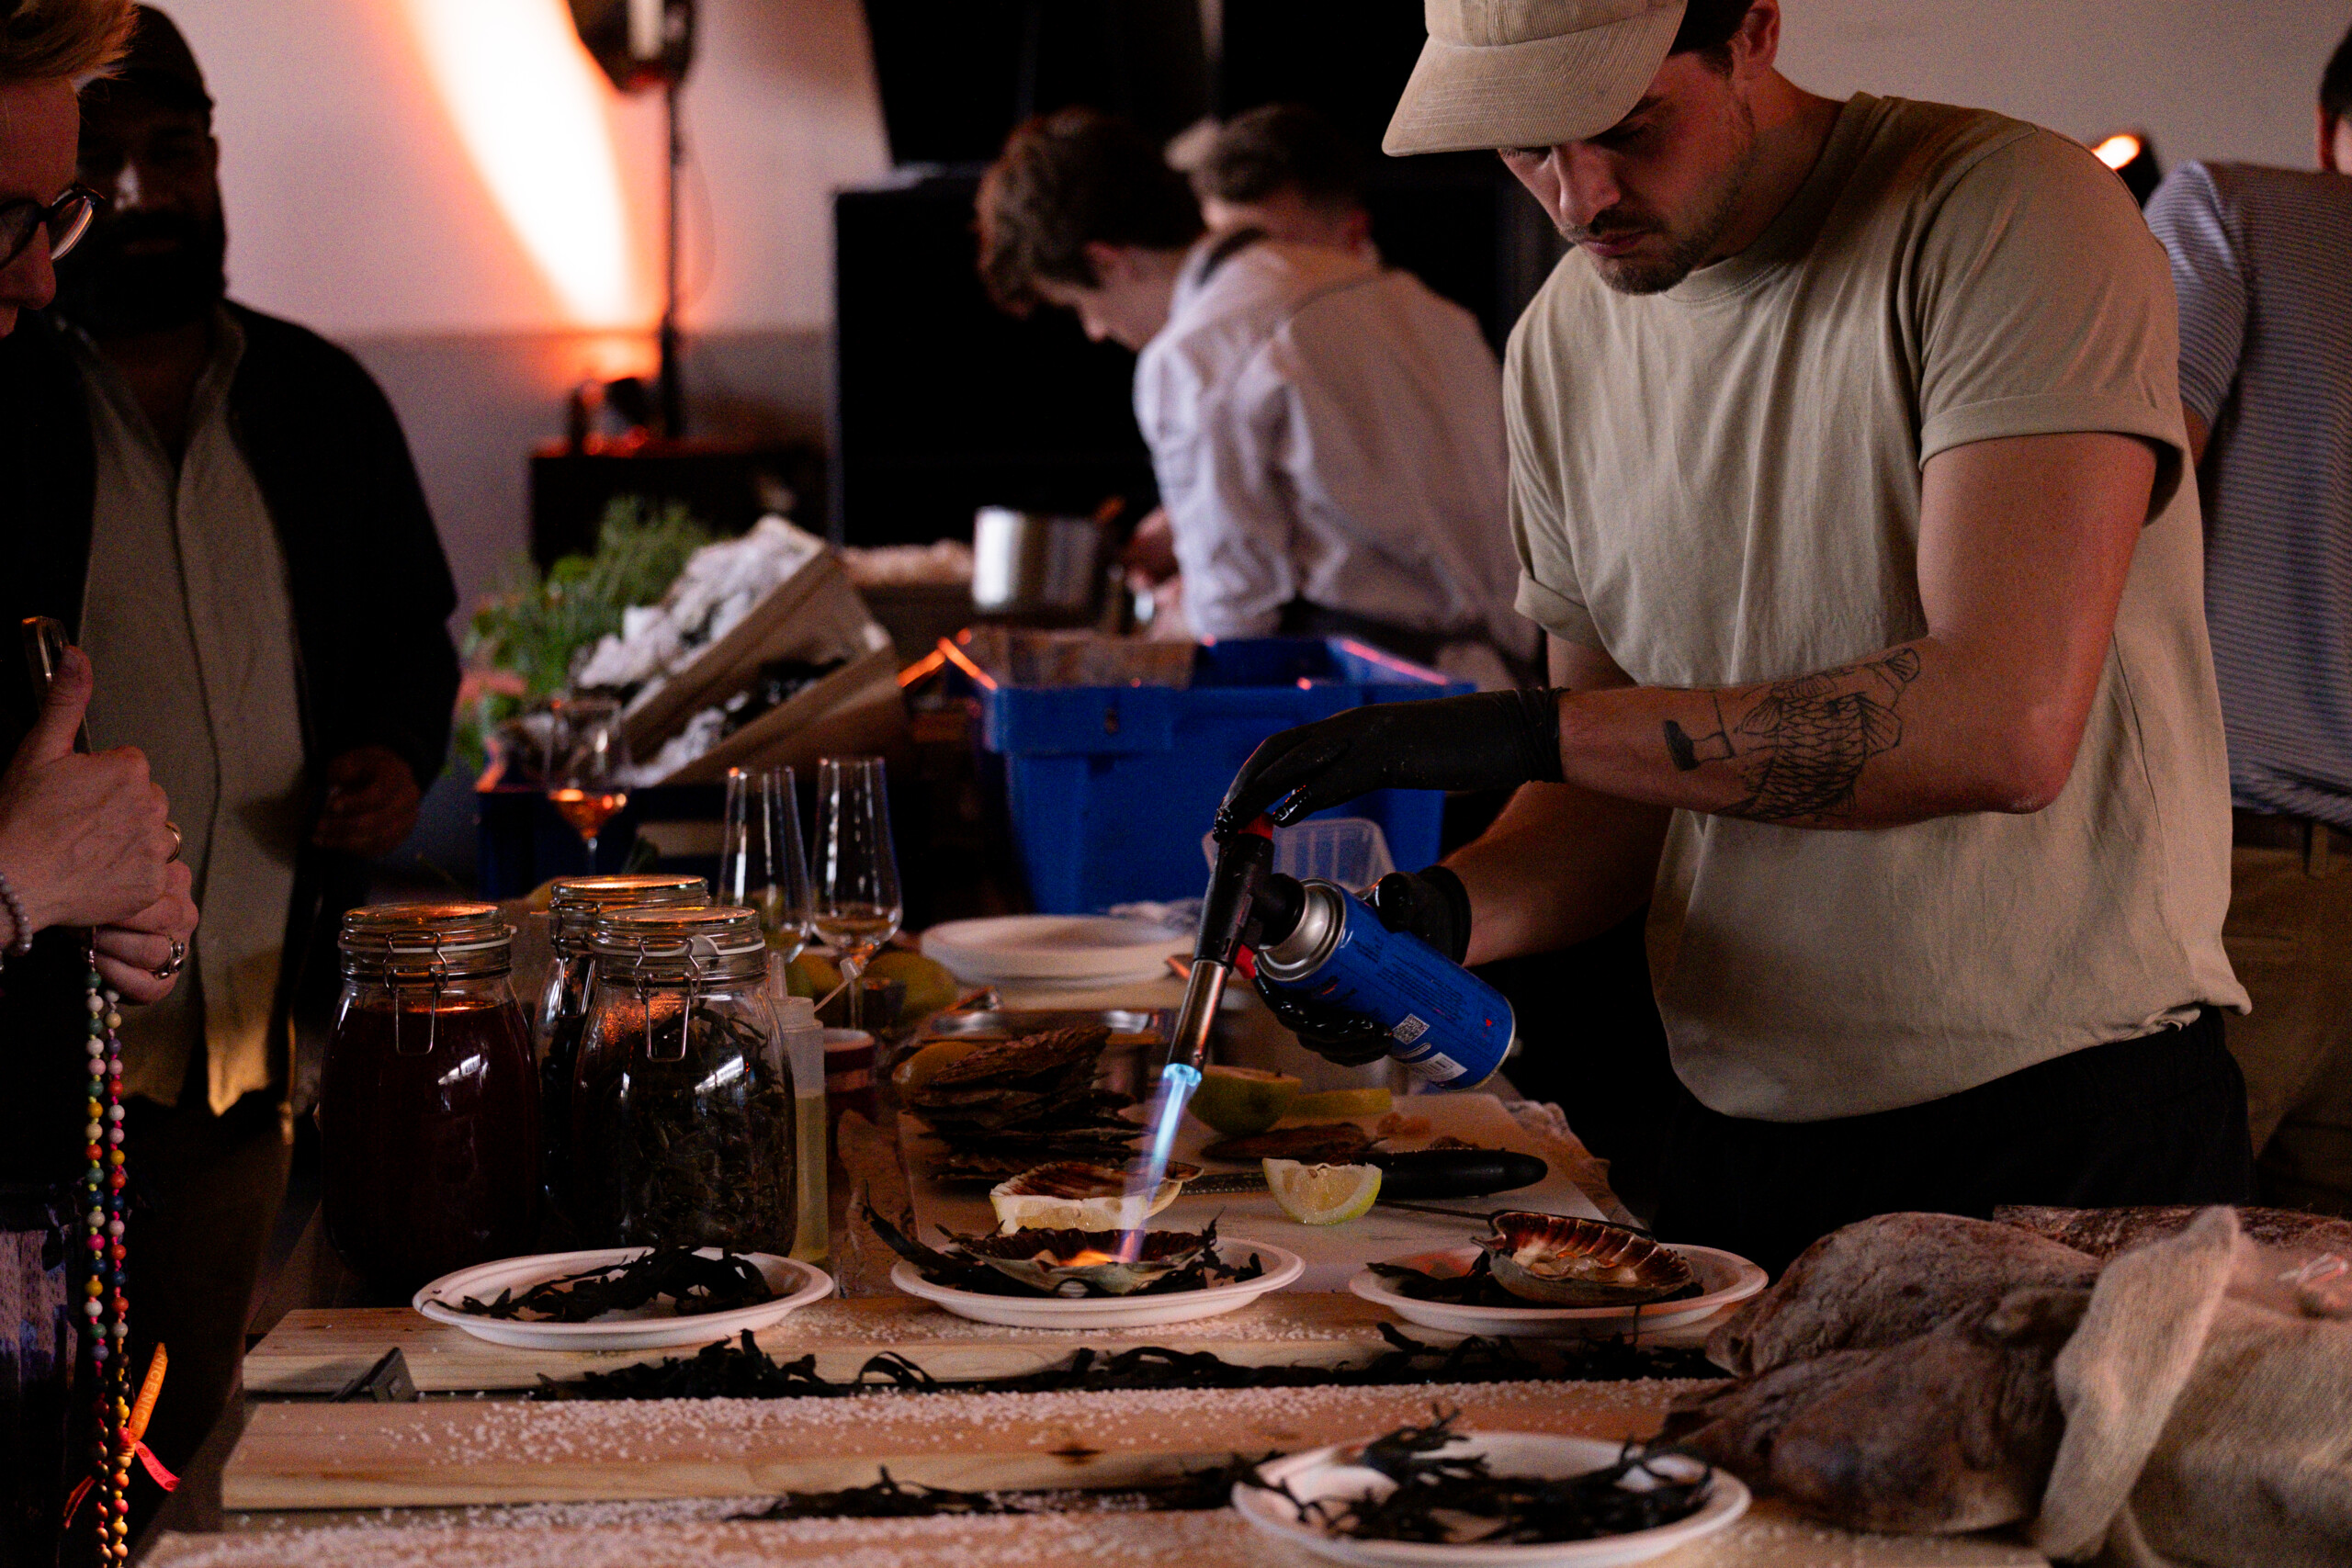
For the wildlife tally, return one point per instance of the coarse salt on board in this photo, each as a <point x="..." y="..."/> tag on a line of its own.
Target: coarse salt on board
<point x="459" y="1451"/>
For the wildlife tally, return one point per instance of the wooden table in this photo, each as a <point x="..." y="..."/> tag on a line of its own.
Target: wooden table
<point x="622" y="1537"/>
<point x="474" y="1476"/>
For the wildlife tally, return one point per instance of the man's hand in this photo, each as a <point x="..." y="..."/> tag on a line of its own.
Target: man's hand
<point x="1150" y="554"/>
<point x="1486" y="740"/>
<point x="82" y="837"/>
<point x="372" y="802"/>
<point x="1431" y="904"/>
<point x="130" y="952"/>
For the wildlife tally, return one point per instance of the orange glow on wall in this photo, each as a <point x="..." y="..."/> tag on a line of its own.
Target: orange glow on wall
<point x="529" y="107"/>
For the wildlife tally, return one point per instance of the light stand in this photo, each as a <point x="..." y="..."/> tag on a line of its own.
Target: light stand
<point x="642" y="44"/>
<point x="674" y="407"/>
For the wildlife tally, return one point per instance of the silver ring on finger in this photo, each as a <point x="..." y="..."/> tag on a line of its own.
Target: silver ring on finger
<point x="174" y="829"/>
<point x="172" y="965"/>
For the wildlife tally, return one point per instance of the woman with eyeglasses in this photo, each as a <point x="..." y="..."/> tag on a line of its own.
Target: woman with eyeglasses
<point x="85" y="851"/>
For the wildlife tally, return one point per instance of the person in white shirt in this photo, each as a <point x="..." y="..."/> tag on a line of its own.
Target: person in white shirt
<point x="1327" y="433"/>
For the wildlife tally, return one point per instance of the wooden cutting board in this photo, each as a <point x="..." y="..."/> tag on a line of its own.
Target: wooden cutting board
<point x="1766" y="1538"/>
<point x="312" y="1455"/>
<point x="318" y="1351"/>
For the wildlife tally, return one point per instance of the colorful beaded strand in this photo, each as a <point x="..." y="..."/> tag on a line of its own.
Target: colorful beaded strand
<point x="106" y="1305"/>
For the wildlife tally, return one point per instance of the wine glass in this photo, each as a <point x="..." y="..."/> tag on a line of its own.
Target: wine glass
<point x="857" y="905"/>
<point x="587" y="764"/>
<point x="760" y="864"/>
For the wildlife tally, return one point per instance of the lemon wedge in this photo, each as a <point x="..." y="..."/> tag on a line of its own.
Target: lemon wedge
<point x="1322" y="1194"/>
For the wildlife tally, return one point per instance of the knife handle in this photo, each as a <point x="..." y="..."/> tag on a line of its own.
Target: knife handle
<point x="1456" y="1173"/>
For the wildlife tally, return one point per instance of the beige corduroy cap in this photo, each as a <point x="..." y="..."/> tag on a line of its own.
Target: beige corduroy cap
<point x="1529" y="72"/>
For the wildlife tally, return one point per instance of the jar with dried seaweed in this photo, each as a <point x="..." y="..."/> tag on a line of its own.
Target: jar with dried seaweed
<point x="428" y="1127"/>
<point x="575" y="903"/>
<point x="682" y="1109"/>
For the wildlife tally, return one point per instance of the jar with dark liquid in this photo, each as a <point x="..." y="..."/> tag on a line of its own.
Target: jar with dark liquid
<point x="575" y="903"/>
<point x="428" y="1124"/>
<point x="682" y="1112"/>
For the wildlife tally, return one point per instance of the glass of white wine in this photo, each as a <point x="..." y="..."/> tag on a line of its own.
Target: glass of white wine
<point x="760" y="866"/>
<point x="857" y="905"/>
<point x="587" y="765"/>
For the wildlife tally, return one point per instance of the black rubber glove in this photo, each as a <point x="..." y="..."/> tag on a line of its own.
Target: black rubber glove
<point x="1486" y="740"/>
<point x="1431" y="904"/>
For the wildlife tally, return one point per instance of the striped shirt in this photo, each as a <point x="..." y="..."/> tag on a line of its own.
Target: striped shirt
<point x="2262" y="259"/>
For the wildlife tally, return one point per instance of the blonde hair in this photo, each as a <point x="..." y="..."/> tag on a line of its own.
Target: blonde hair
<point x="41" y="39"/>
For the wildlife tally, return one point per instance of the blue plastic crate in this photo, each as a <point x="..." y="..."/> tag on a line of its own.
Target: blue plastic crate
<point x="1111" y="787"/>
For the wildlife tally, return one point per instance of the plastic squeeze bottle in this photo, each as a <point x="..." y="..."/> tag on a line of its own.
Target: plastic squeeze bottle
<point x="802" y="1039"/>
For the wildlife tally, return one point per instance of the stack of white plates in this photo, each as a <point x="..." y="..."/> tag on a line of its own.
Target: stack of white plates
<point x="1053" y="950"/>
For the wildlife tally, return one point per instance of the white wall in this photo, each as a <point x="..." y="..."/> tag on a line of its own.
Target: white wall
<point x="2232" y="79"/>
<point x="354" y="207"/>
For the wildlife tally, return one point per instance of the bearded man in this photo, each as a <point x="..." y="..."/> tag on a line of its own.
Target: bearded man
<point x="1848" y="478"/>
<point x="220" y="507"/>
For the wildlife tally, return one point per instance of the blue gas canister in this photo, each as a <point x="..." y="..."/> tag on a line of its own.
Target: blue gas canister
<point x="1446" y="1025"/>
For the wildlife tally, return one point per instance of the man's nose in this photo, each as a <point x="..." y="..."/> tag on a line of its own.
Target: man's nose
<point x="1587" y="185"/>
<point x="29" y="282"/>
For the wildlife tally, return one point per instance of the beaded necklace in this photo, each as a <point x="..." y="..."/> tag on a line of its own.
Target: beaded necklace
<point x="106" y="1307"/>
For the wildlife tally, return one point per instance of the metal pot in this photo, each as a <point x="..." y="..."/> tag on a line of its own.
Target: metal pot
<point x="1027" y="563"/>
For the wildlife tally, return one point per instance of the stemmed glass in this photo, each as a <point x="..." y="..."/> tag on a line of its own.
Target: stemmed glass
<point x="857" y="903"/>
<point x="760" y="864"/>
<point x="587" y="757"/>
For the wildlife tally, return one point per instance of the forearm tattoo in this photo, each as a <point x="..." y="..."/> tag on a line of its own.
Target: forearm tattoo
<point x="1801" y="748"/>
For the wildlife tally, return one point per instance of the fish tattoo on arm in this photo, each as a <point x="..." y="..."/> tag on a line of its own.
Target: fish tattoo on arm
<point x="1802" y="746"/>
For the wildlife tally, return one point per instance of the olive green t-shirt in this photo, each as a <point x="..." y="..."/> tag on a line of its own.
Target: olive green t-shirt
<point x="1721" y="484"/>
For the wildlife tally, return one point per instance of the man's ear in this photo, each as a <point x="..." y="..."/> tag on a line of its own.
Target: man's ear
<point x="1110" y="264"/>
<point x="1358" y="229"/>
<point x="2327" y="161"/>
<point x="1758" y="43"/>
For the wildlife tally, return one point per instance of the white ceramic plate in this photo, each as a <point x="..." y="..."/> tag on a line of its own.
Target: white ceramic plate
<point x="1283" y="1266"/>
<point x="649" y="1327"/>
<point x="1331" y="1472"/>
<point x="1063" y="948"/>
<point x="1724" y="1279"/>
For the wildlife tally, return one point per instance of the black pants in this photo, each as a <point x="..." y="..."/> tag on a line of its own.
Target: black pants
<point x="2156" y="1120"/>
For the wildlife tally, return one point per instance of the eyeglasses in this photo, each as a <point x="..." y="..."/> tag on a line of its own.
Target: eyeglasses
<point x="67" y="219"/>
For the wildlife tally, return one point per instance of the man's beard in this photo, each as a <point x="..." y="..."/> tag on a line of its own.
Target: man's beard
<point x="143" y="272"/>
<point x="1687" y="250"/>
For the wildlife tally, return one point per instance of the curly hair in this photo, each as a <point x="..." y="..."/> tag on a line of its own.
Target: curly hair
<point x="1281" y="147"/>
<point x="1065" y="180"/>
<point x="42" y="40"/>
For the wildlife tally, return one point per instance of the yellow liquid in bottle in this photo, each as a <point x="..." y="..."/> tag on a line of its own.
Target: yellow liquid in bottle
<point x="811" y="1239"/>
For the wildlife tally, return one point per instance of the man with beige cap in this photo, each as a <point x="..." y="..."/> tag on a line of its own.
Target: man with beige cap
<point x="1846" y="478"/>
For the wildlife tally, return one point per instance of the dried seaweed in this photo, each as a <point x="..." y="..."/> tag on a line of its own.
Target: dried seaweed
<point x="1198" y="1491"/>
<point x="740" y="1369"/>
<point x="696" y="1284"/>
<point x="958" y="1268"/>
<point x="691" y="1150"/>
<point x="1455" y="1498"/>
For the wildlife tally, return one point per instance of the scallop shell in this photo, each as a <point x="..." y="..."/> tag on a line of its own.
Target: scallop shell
<point x="1562" y="1260"/>
<point x="1075" y="1195"/>
<point x="1033" y="1258"/>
